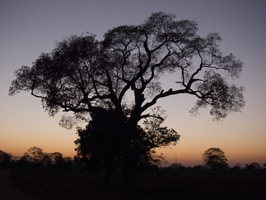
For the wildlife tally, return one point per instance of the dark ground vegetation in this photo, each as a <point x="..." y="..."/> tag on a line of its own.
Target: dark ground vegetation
<point x="63" y="178"/>
<point x="166" y="183"/>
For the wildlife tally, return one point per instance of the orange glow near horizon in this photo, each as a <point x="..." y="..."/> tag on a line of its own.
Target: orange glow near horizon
<point x="197" y="135"/>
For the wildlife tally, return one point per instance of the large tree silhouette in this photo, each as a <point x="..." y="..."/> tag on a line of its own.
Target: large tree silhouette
<point x="84" y="75"/>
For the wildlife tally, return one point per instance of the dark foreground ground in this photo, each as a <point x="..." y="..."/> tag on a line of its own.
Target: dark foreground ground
<point x="74" y="184"/>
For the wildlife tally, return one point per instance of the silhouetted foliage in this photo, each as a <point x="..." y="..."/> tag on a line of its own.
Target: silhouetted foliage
<point x="57" y="159"/>
<point x="253" y="166"/>
<point x="35" y="154"/>
<point x="23" y="162"/>
<point x="176" y="168"/>
<point x="99" y="145"/>
<point x="5" y="160"/>
<point x="37" y="157"/>
<point x="236" y="168"/>
<point x="215" y="159"/>
<point x="199" y="167"/>
<point x="84" y="75"/>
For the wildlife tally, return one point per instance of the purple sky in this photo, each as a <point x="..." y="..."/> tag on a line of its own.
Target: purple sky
<point x="30" y="27"/>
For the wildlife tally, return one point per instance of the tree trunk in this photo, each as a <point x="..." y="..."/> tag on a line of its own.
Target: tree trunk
<point x="125" y="176"/>
<point x="107" y="176"/>
<point x="128" y="176"/>
<point x="128" y="173"/>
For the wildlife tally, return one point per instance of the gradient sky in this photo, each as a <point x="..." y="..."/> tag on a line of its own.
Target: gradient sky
<point x="30" y="27"/>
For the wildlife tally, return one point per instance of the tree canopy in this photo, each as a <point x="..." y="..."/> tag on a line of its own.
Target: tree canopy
<point x="100" y="144"/>
<point x="82" y="74"/>
<point x="214" y="158"/>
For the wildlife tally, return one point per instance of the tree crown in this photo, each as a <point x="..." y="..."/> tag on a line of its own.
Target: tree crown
<point x="214" y="158"/>
<point x="84" y="75"/>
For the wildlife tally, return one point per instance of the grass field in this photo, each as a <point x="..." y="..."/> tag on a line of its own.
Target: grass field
<point x="74" y="184"/>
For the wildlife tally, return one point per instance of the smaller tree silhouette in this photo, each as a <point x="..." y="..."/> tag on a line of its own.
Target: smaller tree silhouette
<point x="5" y="159"/>
<point x="253" y="166"/>
<point x="57" y="159"/>
<point x="215" y="159"/>
<point x="36" y="157"/>
<point x="35" y="154"/>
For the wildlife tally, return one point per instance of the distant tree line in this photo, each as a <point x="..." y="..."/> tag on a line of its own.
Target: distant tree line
<point x="177" y="168"/>
<point x="35" y="158"/>
<point x="214" y="160"/>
